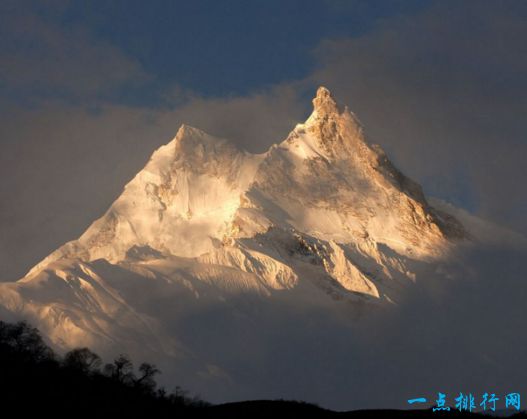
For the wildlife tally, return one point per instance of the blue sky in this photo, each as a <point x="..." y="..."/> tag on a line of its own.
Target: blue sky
<point x="227" y="47"/>
<point x="211" y="48"/>
<point x="89" y="89"/>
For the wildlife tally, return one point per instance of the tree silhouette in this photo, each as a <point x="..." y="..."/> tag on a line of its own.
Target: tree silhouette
<point x="34" y="380"/>
<point x="121" y="370"/>
<point x="82" y="359"/>
<point x="146" y="380"/>
<point x="25" y="340"/>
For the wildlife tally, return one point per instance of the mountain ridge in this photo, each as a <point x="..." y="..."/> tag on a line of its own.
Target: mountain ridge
<point x="322" y="221"/>
<point x="200" y="153"/>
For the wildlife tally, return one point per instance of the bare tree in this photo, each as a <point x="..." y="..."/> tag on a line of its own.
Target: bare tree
<point x="25" y="339"/>
<point x="121" y="370"/>
<point x="82" y="359"/>
<point x="146" y="380"/>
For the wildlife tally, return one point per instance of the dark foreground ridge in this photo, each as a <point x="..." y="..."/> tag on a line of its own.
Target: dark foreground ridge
<point x="36" y="381"/>
<point x="272" y="408"/>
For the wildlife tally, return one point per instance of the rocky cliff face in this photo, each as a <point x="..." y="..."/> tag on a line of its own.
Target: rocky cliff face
<point x="322" y="219"/>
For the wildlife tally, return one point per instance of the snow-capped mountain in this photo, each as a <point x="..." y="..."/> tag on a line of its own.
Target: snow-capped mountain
<point x="207" y="233"/>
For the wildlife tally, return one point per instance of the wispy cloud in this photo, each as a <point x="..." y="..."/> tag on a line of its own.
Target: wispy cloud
<point x="444" y="91"/>
<point x="43" y="55"/>
<point x="441" y="90"/>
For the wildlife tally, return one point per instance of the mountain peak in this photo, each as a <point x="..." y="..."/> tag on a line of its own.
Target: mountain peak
<point x="322" y="215"/>
<point x="186" y="130"/>
<point x="323" y="103"/>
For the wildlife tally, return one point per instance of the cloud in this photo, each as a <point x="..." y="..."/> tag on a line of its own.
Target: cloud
<point x="70" y="142"/>
<point x="254" y="122"/>
<point x="443" y="91"/>
<point x="63" y="165"/>
<point x="43" y="55"/>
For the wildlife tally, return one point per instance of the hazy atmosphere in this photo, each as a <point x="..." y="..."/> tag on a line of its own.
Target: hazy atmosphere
<point x="89" y="90"/>
<point x="440" y="85"/>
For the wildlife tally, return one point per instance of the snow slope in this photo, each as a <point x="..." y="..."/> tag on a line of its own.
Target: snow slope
<point x="321" y="221"/>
